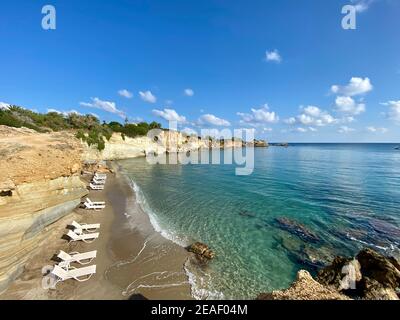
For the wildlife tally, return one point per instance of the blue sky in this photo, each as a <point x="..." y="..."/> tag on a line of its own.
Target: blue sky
<point x="286" y="68"/>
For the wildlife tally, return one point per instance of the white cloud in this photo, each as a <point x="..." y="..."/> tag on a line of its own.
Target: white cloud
<point x="125" y="93"/>
<point x="189" y="131"/>
<point x="4" y="106"/>
<point x="169" y="115"/>
<point x="361" y="5"/>
<point x="312" y="111"/>
<point x="136" y="120"/>
<point x="189" y="92"/>
<point x="312" y="116"/>
<point x="347" y="119"/>
<point x="376" y="130"/>
<point x="108" y="106"/>
<point x="267" y="130"/>
<point x="148" y="96"/>
<point x="291" y="120"/>
<point x="355" y="87"/>
<point x="208" y="119"/>
<point x="348" y="105"/>
<point x="394" y="110"/>
<point x="64" y="113"/>
<point x="300" y="129"/>
<point x="258" y="116"/>
<point x="345" y="129"/>
<point x="312" y="129"/>
<point x="273" y="56"/>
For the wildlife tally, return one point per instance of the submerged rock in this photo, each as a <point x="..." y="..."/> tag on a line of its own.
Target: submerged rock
<point x="297" y="229"/>
<point x="201" y="250"/>
<point x="245" y="213"/>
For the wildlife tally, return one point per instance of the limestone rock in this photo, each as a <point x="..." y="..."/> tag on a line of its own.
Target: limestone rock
<point x="304" y="288"/>
<point x="201" y="250"/>
<point x="377" y="267"/>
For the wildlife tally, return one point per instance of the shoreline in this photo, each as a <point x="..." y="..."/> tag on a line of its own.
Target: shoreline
<point x="133" y="260"/>
<point x="147" y="263"/>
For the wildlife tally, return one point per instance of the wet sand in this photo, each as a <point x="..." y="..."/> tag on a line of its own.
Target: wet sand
<point x="133" y="260"/>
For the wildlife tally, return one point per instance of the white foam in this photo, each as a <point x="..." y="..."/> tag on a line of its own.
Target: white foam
<point x="142" y="202"/>
<point x="196" y="283"/>
<point x="391" y="248"/>
<point x="198" y="291"/>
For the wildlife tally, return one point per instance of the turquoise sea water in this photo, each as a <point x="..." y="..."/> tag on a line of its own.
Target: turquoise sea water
<point x="346" y="194"/>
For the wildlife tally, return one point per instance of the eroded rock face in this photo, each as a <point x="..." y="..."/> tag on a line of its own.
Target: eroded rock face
<point x="25" y="216"/>
<point x="118" y="148"/>
<point x="39" y="184"/>
<point x="376" y="266"/>
<point x="297" y="229"/>
<point x="201" y="250"/>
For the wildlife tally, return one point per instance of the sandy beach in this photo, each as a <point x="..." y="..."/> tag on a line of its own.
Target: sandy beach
<point x="133" y="260"/>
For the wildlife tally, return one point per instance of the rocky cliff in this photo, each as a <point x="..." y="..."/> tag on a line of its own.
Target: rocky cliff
<point x="119" y="147"/>
<point x="39" y="184"/>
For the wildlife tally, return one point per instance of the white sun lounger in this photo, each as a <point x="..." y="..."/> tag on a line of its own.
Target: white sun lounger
<point x="81" y="258"/>
<point x="81" y="274"/>
<point x="95" y="202"/>
<point x="84" y="227"/>
<point x="100" y="175"/>
<point x="96" y="186"/>
<point x="94" y="206"/>
<point x="87" y="237"/>
<point x="98" y="181"/>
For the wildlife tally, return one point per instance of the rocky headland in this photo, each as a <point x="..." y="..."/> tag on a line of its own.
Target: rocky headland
<point x="368" y="276"/>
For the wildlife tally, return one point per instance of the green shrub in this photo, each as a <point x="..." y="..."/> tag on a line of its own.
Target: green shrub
<point x="88" y="127"/>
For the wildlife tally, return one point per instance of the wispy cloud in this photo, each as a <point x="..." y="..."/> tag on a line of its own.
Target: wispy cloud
<point x="125" y="93"/>
<point x="210" y="119"/>
<point x="394" y="110"/>
<point x="362" y="5"/>
<point x="376" y="130"/>
<point x="273" y="56"/>
<point x="148" y="96"/>
<point x="107" y="106"/>
<point x="345" y="129"/>
<point x="169" y="115"/>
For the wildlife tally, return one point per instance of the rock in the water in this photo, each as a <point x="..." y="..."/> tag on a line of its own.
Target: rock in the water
<point x="377" y="267"/>
<point x="304" y="288"/>
<point x="201" y="250"/>
<point x="297" y="229"/>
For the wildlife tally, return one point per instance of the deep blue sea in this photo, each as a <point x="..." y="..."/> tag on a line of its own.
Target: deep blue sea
<point x="347" y="195"/>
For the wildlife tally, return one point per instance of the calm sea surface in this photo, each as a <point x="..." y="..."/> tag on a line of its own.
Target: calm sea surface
<point x="348" y="195"/>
